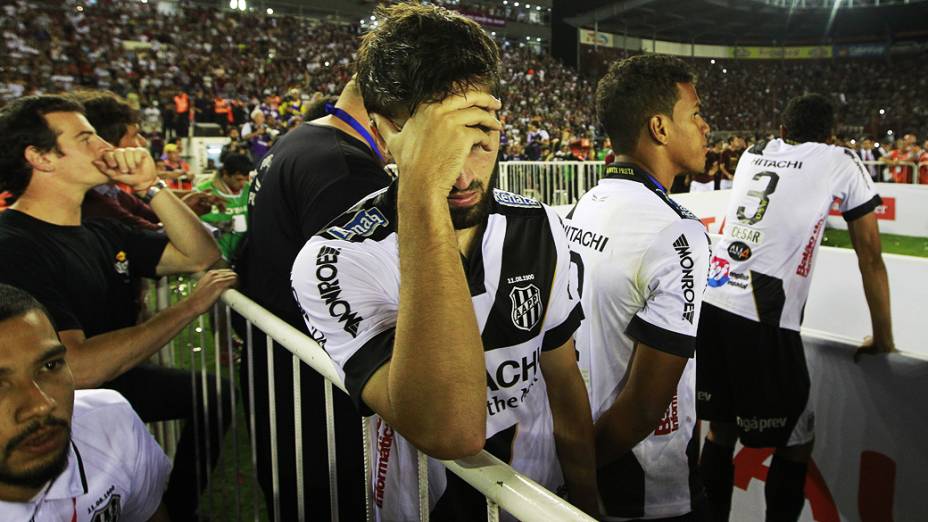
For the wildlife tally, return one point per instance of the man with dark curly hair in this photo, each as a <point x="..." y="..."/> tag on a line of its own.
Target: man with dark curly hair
<point x="446" y="303"/>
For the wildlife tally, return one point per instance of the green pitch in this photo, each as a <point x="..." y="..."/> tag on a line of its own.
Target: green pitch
<point x="892" y="243"/>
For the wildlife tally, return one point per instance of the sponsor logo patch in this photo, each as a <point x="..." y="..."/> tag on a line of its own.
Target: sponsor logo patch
<point x="682" y="246"/>
<point x="363" y="223"/>
<point x="121" y="264"/>
<point x="515" y="378"/>
<point x="330" y="290"/>
<point x="514" y="200"/>
<point x="671" y="421"/>
<point x="526" y="306"/>
<point x="739" y="251"/>
<point x="719" y="270"/>
<point x="760" y="424"/>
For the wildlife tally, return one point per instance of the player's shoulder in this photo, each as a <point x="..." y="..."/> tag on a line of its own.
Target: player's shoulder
<point x="374" y="218"/>
<point x="515" y="205"/>
<point x="103" y="404"/>
<point x="682" y="234"/>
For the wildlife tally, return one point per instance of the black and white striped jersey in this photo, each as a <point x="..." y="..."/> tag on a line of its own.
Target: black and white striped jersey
<point x="761" y="268"/>
<point x="641" y="261"/>
<point x="346" y="280"/>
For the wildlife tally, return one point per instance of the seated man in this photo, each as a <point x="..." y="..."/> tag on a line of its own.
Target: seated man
<point x="78" y="456"/>
<point x="445" y="303"/>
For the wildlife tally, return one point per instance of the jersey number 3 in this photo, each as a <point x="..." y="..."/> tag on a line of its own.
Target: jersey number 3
<point x="762" y="195"/>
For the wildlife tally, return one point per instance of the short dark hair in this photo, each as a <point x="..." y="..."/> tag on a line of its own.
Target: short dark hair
<point x="15" y="302"/>
<point x="23" y="125"/>
<point x="634" y="90"/>
<point x="109" y="114"/>
<point x="235" y="162"/>
<point x="422" y="53"/>
<point x="810" y="117"/>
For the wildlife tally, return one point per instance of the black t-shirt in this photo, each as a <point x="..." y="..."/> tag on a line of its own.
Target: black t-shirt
<point x="310" y="177"/>
<point x="81" y="274"/>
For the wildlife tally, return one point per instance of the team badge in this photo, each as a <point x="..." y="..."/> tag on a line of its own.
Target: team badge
<point x="526" y="306"/>
<point x="122" y="263"/>
<point x="719" y="270"/>
<point x="108" y="513"/>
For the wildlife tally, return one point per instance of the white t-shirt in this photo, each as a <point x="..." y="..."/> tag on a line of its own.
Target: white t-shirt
<point x="115" y="471"/>
<point x="642" y="261"/>
<point x="346" y="280"/>
<point x="762" y="267"/>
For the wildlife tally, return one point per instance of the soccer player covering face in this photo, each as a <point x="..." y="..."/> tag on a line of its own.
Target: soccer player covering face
<point x="66" y="456"/>
<point x="641" y="261"/>
<point x="759" y="280"/>
<point x="445" y="303"/>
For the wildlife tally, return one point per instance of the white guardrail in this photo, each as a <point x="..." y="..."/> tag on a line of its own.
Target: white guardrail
<point x="503" y="487"/>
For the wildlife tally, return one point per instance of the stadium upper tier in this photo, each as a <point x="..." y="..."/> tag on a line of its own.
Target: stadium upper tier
<point x="131" y="47"/>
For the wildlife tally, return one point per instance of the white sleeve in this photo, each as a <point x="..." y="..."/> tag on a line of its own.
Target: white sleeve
<point x="673" y="271"/>
<point x="149" y="470"/>
<point x="855" y="188"/>
<point x="564" y="310"/>
<point x="339" y="286"/>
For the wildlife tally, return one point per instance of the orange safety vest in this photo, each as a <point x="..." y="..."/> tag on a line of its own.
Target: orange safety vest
<point x="181" y="103"/>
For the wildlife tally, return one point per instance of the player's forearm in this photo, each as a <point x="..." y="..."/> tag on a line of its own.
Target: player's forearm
<point x="876" y="291"/>
<point x="623" y="426"/>
<point x="438" y="353"/>
<point x="104" y="357"/>
<point x="185" y="231"/>
<point x="573" y="436"/>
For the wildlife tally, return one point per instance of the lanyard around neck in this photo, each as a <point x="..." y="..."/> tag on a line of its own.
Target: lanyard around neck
<point x="356" y="125"/>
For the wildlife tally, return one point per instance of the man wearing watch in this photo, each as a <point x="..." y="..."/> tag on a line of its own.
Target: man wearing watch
<point x="81" y="271"/>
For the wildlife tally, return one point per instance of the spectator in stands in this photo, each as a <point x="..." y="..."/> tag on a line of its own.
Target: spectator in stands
<point x="705" y="181"/>
<point x="236" y="145"/>
<point x="258" y="135"/>
<point x="312" y="175"/>
<point x="176" y="169"/>
<point x="728" y="161"/>
<point x="870" y="154"/>
<point x="229" y="186"/>
<point x="78" y="456"/>
<point x="419" y="359"/>
<point x="50" y="156"/>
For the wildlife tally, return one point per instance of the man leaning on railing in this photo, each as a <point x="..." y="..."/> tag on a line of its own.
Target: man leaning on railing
<point x="82" y="272"/>
<point x="445" y="303"/>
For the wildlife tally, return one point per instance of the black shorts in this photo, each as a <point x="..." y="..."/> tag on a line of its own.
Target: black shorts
<point x="753" y="375"/>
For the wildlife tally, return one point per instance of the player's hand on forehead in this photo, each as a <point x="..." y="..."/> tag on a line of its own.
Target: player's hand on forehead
<point x="438" y="137"/>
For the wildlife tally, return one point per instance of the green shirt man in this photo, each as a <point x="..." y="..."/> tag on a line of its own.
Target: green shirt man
<point x="231" y="185"/>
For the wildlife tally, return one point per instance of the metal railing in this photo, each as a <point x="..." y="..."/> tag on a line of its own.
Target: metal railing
<point x="503" y="487"/>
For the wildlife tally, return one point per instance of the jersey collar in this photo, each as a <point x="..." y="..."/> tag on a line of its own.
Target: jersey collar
<point x="621" y="170"/>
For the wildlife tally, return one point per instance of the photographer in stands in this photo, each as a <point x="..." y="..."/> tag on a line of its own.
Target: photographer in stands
<point x="50" y="156"/>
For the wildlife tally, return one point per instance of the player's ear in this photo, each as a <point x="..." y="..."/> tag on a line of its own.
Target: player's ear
<point x="658" y="128"/>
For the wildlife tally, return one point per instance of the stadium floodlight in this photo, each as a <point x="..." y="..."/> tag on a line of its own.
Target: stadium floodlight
<point x="538" y="8"/>
<point x="515" y="4"/>
<point x="712" y="61"/>
<point x="493" y="33"/>
<point x="233" y="4"/>
<point x="724" y="71"/>
<point x="505" y="2"/>
<point x="890" y="132"/>
<point x="882" y="112"/>
<point x="270" y="11"/>
<point x="373" y="17"/>
<point x="242" y="5"/>
<point x="527" y="6"/>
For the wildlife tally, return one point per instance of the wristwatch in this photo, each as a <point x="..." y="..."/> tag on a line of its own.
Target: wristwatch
<point x="153" y="190"/>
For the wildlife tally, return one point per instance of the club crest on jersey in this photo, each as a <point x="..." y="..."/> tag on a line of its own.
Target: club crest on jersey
<point x="514" y="200"/>
<point x="719" y="270"/>
<point x="526" y="306"/>
<point x="364" y="223"/>
<point x="109" y="512"/>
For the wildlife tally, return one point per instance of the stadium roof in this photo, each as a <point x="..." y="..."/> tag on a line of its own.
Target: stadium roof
<point x="755" y="21"/>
